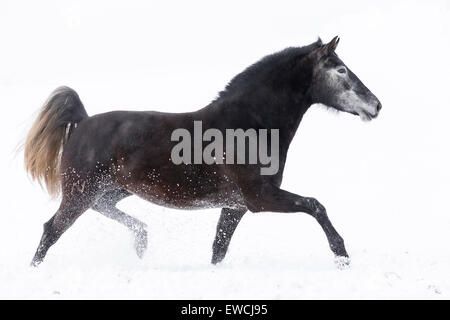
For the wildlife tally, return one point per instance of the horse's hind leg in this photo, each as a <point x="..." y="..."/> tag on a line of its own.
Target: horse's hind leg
<point x="106" y="205"/>
<point x="68" y="212"/>
<point x="228" y="221"/>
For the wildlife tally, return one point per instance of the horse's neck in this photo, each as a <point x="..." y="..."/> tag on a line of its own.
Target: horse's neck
<point x="293" y="119"/>
<point x="286" y="117"/>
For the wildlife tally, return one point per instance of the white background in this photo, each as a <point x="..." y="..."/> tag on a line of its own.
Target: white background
<point x="385" y="183"/>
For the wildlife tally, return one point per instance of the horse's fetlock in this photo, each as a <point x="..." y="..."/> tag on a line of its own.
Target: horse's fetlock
<point x="338" y="241"/>
<point x="338" y="247"/>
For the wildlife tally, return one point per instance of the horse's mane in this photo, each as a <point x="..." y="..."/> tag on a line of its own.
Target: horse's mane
<point x="268" y="66"/>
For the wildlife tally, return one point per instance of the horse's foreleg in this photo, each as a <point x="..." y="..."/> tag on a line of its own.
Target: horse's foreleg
<point x="271" y="198"/>
<point x="106" y="205"/>
<point x="228" y="221"/>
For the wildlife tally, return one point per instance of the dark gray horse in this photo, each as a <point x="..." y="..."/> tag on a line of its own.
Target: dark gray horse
<point x="97" y="161"/>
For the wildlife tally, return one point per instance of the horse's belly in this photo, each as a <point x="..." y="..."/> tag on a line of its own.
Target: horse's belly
<point x="175" y="195"/>
<point x="188" y="202"/>
<point x="182" y="186"/>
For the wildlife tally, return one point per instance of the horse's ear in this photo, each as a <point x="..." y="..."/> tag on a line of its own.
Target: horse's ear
<point x="333" y="44"/>
<point x="319" y="41"/>
<point x="326" y="49"/>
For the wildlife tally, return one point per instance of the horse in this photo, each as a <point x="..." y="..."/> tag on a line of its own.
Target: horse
<point x="93" y="162"/>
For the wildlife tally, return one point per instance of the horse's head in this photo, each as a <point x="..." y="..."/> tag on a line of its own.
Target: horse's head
<point x="336" y="86"/>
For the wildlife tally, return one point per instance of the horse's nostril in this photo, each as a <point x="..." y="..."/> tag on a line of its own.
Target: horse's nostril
<point x="378" y="106"/>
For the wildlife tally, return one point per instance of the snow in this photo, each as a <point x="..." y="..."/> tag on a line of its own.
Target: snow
<point x="384" y="183"/>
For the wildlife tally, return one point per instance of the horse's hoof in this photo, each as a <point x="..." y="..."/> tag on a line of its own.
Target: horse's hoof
<point x="342" y="262"/>
<point x="34" y="263"/>
<point x="217" y="257"/>
<point x="140" y="242"/>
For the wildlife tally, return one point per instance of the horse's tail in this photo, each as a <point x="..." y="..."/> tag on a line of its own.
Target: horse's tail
<point x="48" y="135"/>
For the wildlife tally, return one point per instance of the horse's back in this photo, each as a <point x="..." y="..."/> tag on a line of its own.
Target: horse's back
<point x="100" y="139"/>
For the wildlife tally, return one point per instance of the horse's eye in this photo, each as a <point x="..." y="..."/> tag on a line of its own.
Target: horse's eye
<point x="342" y="70"/>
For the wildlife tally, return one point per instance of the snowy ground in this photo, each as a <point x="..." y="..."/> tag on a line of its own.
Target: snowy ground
<point x="385" y="183"/>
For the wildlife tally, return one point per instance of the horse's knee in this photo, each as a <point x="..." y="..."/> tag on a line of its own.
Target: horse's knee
<point x="314" y="204"/>
<point x="318" y="211"/>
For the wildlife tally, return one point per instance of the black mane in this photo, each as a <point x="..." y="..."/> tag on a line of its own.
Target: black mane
<point x="273" y="67"/>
